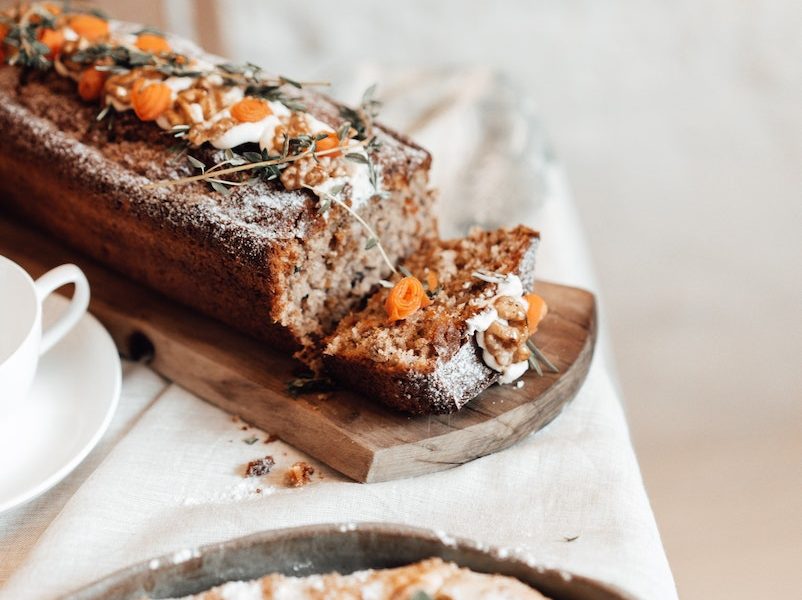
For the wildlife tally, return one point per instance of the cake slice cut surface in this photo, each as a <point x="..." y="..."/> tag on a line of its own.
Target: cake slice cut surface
<point x="472" y="333"/>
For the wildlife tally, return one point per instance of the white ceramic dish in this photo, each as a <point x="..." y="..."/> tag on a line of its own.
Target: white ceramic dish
<point x="73" y="398"/>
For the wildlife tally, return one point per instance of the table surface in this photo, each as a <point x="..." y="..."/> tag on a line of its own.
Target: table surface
<point x="168" y="474"/>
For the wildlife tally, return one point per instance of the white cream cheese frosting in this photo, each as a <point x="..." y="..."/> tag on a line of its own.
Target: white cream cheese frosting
<point x="512" y="287"/>
<point x="261" y="132"/>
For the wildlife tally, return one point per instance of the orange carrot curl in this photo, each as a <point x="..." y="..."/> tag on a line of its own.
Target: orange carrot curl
<point x="327" y="143"/>
<point x="250" y="110"/>
<point x="406" y="297"/>
<point x="537" y="310"/>
<point x="90" y="27"/>
<point x="90" y="84"/>
<point x="53" y="39"/>
<point x="150" y="101"/>
<point x="153" y="43"/>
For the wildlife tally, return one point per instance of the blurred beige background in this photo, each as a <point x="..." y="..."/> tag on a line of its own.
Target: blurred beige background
<point x="680" y="126"/>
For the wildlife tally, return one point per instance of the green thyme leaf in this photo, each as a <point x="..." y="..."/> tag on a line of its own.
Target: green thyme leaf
<point x="357" y="158"/>
<point x="289" y="81"/>
<point x="196" y="163"/>
<point x="252" y="156"/>
<point x="535" y="365"/>
<point x="221" y="188"/>
<point x="542" y="357"/>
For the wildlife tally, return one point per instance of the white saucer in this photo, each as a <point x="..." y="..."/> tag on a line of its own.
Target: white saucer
<point x="70" y="406"/>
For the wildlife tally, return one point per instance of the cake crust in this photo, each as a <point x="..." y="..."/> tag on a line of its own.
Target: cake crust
<point x="232" y="257"/>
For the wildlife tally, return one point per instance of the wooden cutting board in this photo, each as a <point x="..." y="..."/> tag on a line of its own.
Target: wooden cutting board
<point x="354" y="435"/>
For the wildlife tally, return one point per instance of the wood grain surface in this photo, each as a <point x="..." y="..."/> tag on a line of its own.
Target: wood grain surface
<point x="354" y="435"/>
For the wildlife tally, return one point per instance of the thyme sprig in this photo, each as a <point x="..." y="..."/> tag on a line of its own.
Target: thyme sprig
<point x="329" y="198"/>
<point x="372" y="144"/>
<point x="115" y="59"/>
<point x="537" y="355"/>
<point x="270" y="88"/>
<point x="24" y="35"/>
<point x="307" y="385"/>
<point x="216" y="172"/>
<point x="362" y="117"/>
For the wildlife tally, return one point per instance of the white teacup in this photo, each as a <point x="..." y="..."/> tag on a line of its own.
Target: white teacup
<point x="22" y="340"/>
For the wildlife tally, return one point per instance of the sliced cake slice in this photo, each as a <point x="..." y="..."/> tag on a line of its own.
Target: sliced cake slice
<point x="456" y="320"/>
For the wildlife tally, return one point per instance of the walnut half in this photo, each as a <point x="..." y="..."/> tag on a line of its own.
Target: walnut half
<point x="507" y="343"/>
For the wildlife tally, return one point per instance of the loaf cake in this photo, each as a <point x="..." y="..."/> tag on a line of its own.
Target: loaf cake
<point x="260" y="202"/>
<point x="91" y="115"/>
<point x="431" y="579"/>
<point x="471" y="332"/>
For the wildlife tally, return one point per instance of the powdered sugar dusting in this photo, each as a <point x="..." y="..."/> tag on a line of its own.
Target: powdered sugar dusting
<point x="184" y="555"/>
<point x="245" y="489"/>
<point x="457" y="380"/>
<point x="46" y="123"/>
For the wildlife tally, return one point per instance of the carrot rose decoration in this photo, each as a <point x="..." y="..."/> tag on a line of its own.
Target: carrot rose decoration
<point x="250" y="110"/>
<point x="328" y="143"/>
<point x="405" y="298"/>
<point x="90" y="85"/>
<point x="151" y="101"/>
<point x="153" y="43"/>
<point x="90" y="27"/>
<point x="537" y="310"/>
<point x="53" y="39"/>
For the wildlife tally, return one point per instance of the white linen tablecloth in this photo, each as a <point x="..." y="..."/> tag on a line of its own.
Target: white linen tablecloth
<point x="168" y="474"/>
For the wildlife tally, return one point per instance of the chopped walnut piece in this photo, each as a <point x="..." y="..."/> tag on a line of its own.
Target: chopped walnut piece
<point x="293" y="125"/>
<point x="300" y="474"/>
<point x="259" y="467"/>
<point x="510" y="309"/>
<point x="507" y="343"/>
<point x="199" y="134"/>
<point x="308" y="171"/>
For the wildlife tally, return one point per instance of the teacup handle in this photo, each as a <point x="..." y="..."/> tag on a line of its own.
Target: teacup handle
<point x="49" y="283"/>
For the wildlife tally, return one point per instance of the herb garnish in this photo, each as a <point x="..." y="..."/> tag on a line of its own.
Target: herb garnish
<point x="308" y="385"/>
<point x="235" y="166"/>
<point x="24" y="35"/>
<point x="114" y="59"/>
<point x="362" y="120"/>
<point x="333" y="197"/>
<point x="537" y="355"/>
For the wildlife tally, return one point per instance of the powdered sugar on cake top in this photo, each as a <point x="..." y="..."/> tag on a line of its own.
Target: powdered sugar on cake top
<point x="52" y="126"/>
